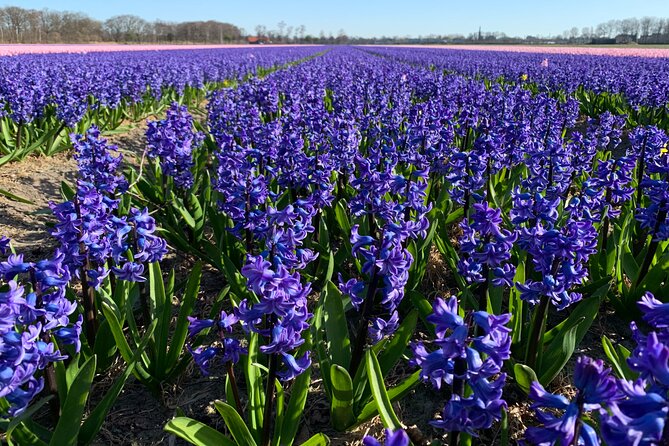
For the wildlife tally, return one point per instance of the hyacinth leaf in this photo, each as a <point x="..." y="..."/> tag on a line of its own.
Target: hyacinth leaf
<point x="394" y="393"/>
<point x="67" y="376"/>
<point x="504" y="428"/>
<point x="94" y="420"/>
<point x="14" y="197"/>
<point x="629" y="265"/>
<point x="188" y="218"/>
<point x="67" y="429"/>
<point x="22" y="436"/>
<point x="197" y="433"/>
<point x="291" y="419"/>
<point x="240" y="432"/>
<point x="317" y="440"/>
<point x="450" y="255"/>
<point x="156" y="290"/>
<point x="558" y="353"/>
<point x="153" y="194"/>
<point x="656" y="274"/>
<point x="587" y="309"/>
<point x="26" y="415"/>
<point x="380" y="394"/>
<point x="196" y="211"/>
<point x="123" y="345"/>
<point x="341" y="405"/>
<point x="187" y="304"/>
<point x="394" y="349"/>
<point x="320" y="344"/>
<point x="617" y="356"/>
<point x="254" y="386"/>
<point x="525" y="376"/>
<point x="280" y="397"/>
<point x="341" y="215"/>
<point x="516" y="307"/>
<point x="423" y="306"/>
<point x="66" y="191"/>
<point x="336" y="329"/>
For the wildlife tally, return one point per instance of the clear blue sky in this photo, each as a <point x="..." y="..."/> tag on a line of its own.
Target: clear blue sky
<point x="376" y="17"/>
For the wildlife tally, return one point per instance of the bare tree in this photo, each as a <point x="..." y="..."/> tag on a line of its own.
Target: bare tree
<point x="125" y="28"/>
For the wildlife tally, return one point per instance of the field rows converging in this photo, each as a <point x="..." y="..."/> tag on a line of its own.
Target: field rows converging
<point x="311" y="245"/>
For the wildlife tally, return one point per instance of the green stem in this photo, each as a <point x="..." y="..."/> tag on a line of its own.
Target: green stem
<point x="537" y="331"/>
<point x="269" y="402"/>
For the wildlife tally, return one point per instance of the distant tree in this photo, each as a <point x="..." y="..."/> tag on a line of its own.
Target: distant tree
<point x="125" y="28"/>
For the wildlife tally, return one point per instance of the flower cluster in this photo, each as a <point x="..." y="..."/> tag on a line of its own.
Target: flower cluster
<point x="98" y="162"/>
<point x="33" y="311"/>
<point x="90" y="236"/>
<point x="386" y="261"/>
<point x="639" y="415"/>
<point x="280" y="314"/>
<point x="461" y="358"/>
<point x="226" y="348"/>
<point x="173" y="141"/>
<point x="652" y="215"/>
<point x="609" y="188"/>
<point x="486" y="246"/>
<point x="596" y="388"/>
<point x="559" y="251"/>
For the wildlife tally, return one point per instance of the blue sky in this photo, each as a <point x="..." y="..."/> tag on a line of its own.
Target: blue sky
<point x="376" y="17"/>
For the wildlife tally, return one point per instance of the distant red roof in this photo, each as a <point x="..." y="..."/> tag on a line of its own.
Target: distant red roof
<point x="257" y="40"/>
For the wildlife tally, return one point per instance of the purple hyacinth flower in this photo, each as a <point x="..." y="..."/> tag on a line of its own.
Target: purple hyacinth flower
<point x="396" y="438"/>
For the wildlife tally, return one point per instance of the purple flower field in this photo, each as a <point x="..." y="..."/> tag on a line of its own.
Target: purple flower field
<point x="366" y="230"/>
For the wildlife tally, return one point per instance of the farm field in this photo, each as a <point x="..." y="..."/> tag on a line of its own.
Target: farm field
<point x="340" y="245"/>
<point x="604" y="50"/>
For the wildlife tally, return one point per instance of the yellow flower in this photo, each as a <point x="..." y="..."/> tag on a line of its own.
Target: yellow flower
<point x="523" y="77"/>
<point x="664" y="149"/>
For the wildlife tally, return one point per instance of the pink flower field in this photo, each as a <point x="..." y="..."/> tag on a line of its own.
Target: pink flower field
<point x="13" y="50"/>
<point x="597" y="51"/>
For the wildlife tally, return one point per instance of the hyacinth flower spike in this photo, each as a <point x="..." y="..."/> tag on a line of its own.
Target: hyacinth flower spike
<point x="471" y="354"/>
<point x="597" y="388"/>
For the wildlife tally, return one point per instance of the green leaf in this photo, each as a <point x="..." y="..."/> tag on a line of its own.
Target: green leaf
<point x="187" y="304"/>
<point x="380" y="394"/>
<point x="234" y="421"/>
<point x="188" y="218"/>
<point x="317" y="440"/>
<point x="298" y="398"/>
<point x="95" y="419"/>
<point x="453" y="216"/>
<point x="67" y="429"/>
<point x="395" y="348"/>
<point x="557" y="354"/>
<point x="162" y="311"/>
<point x="336" y="329"/>
<point x="587" y="309"/>
<point x="341" y="215"/>
<point x="254" y="386"/>
<point x="66" y="191"/>
<point x="24" y="416"/>
<point x="423" y="306"/>
<point x="395" y="393"/>
<point x="618" y="358"/>
<point x="341" y="405"/>
<point x="23" y="436"/>
<point x="524" y="376"/>
<point x="121" y="341"/>
<point x="197" y="433"/>
<point x="14" y="197"/>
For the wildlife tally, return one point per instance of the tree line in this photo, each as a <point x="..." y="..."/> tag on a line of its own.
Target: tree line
<point x="645" y="30"/>
<point x="19" y="25"/>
